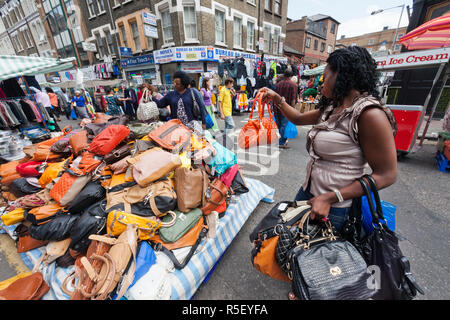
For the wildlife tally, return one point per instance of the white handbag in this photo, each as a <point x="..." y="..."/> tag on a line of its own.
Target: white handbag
<point x="154" y="285"/>
<point x="147" y="109"/>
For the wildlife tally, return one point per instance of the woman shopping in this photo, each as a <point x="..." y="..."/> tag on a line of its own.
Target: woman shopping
<point x="207" y="93"/>
<point x="352" y="128"/>
<point x="113" y="103"/>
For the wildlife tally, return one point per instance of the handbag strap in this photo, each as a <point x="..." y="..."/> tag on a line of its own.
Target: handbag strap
<point x="375" y="220"/>
<point x="169" y="253"/>
<point x="373" y="187"/>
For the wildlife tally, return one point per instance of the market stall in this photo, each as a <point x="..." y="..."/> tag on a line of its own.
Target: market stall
<point x="149" y="208"/>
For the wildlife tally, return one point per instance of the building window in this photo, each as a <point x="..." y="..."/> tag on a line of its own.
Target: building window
<point x="397" y="47"/>
<point x="268" y="5"/>
<point x="220" y="26"/>
<point x="250" y="35"/>
<point x="16" y="42"/>
<point x="371" y="41"/>
<point x="316" y="44"/>
<point x="190" y="23"/>
<point x="276" y="41"/>
<point x="109" y="41"/>
<point x="166" y="26"/>
<point x="27" y="36"/>
<point x="308" y="42"/>
<point x="124" y="36"/>
<point x="330" y="48"/>
<point x="333" y="28"/>
<point x="100" y="45"/>
<point x="101" y="6"/>
<point x="278" y="7"/>
<point x="251" y="1"/>
<point x="322" y="46"/>
<point x="237" y="32"/>
<point x="136" y="38"/>
<point x="399" y="36"/>
<point x="267" y="42"/>
<point x="353" y="43"/>
<point x="116" y="3"/>
<point x="91" y="7"/>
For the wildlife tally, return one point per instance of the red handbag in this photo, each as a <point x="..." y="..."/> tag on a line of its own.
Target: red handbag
<point x="228" y="176"/>
<point x="108" y="139"/>
<point x="259" y="132"/>
<point x="29" y="169"/>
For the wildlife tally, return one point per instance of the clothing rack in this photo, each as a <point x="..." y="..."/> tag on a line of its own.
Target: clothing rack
<point x="29" y="97"/>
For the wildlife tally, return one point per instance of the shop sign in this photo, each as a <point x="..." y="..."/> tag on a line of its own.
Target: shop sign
<point x="194" y="53"/>
<point x="136" y="61"/>
<point x="212" y="67"/>
<point x="192" y="67"/>
<point x="150" y="31"/>
<point x="126" y="52"/>
<point x="149" y="18"/>
<point x="89" y="46"/>
<point x="164" y="55"/>
<point x="413" y="59"/>
<point x="224" y="53"/>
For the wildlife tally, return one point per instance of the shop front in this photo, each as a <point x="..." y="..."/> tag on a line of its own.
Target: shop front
<point x="139" y="70"/>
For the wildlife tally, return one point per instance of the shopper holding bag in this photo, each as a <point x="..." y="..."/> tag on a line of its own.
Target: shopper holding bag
<point x="352" y="128"/>
<point x="207" y="94"/>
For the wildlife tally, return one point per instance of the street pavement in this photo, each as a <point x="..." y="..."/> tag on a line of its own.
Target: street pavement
<point x="422" y="219"/>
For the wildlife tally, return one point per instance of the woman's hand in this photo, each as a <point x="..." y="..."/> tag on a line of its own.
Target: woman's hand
<point x="320" y="205"/>
<point x="270" y="95"/>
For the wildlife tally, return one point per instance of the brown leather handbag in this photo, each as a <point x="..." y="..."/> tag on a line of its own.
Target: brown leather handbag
<point x="97" y="255"/>
<point x="79" y="142"/>
<point x="31" y="287"/>
<point x="118" y="153"/>
<point x="172" y="135"/>
<point x="190" y="187"/>
<point x="217" y="194"/>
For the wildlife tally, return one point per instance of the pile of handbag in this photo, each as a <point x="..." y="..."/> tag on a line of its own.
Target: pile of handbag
<point x="99" y="197"/>
<point x="324" y="264"/>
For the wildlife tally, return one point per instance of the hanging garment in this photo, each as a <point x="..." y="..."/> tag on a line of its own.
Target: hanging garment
<point x="12" y="89"/>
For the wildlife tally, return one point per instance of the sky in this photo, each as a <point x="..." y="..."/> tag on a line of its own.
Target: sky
<point x="354" y="15"/>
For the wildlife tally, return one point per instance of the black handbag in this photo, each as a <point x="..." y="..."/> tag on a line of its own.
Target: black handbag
<point x="380" y="248"/>
<point x="238" y="185"/>
<point x="327" y="267"/>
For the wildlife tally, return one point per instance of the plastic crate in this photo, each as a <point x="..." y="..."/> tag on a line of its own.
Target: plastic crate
<point x="442" y="162"/>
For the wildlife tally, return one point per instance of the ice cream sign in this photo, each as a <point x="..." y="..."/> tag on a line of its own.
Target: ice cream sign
<point x="413" y="59"/>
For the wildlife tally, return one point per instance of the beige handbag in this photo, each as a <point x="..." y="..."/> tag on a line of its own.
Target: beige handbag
<point x="190" y="187"/>
<point x="152" y="165"/>
<point x="120" y="166"/>
<point x="53" y="251"/>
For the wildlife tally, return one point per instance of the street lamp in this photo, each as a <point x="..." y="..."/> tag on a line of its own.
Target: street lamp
<point x="398" y="24"/>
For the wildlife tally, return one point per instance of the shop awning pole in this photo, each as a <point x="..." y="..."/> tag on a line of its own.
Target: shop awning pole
<point x="444" y="80"/>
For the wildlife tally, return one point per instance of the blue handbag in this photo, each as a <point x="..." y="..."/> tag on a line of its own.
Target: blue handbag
<point x="223" y="159"/>
<point x="208" y="122"/>
<point x="144" y="260"/>
<point x="73" y="115"/>
<point x="290" y="132"/>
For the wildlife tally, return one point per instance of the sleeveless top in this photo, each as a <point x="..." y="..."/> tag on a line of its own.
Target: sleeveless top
<point x="336" y="156"/>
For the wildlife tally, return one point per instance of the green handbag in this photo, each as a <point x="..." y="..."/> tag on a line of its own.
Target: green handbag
<point x="139" y="129"/>
<point x="183" y="223"/>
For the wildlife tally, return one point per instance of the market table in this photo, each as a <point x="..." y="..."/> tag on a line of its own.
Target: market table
<point x="184" y="282"/>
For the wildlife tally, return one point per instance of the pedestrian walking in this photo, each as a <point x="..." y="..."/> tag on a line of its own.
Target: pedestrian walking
<point x="54" y="103"/>
<point x="113" y="103"/>
<point x="181" y="103"/>
<point x="351" y="129"/>
<point x="79" y="105"/>
<point x="225" y="105"/>
<point x="287" y="89"/>
<point x="207" y="94"/>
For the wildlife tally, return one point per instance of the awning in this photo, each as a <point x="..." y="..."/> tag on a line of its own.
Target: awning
<point x="430" y="35"/>
<point x="15" y="66"/>
<point x="315" y="71"/>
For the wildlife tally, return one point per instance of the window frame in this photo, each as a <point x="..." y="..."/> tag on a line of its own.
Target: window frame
<point x="123" y="34"/>
<point x="268" y="5"/>
<point x="308" y="42"/>
<point x="316" y="44"/>
<point x="240" y="33"/>
<point x="252" y="37"/>
<point x="134" y="37"/>
<point x="371" y="41"/>
<point x="100" y="12"/>
<point x="101" y="49"/>
<point x="164" y="27"/>
<point x="189" y="39"/>
<point x="91" y="7"/>
<point x="224" y="22"/>
<point x="279" y="3"/>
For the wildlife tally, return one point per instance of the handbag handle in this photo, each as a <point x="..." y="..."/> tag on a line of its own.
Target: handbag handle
<point x="376" y="195"/>
<point x="375" y="220"/>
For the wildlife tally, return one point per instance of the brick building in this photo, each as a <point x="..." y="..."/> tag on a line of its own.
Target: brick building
<point x="251" y="27"/>
<point x="375" y="41"/>
<point x="22" y="31"/>
<point x="314" y="37"/>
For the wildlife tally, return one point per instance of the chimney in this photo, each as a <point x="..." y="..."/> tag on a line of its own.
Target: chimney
<point x="385" y="28"/>
<point x="343" y="36"/>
